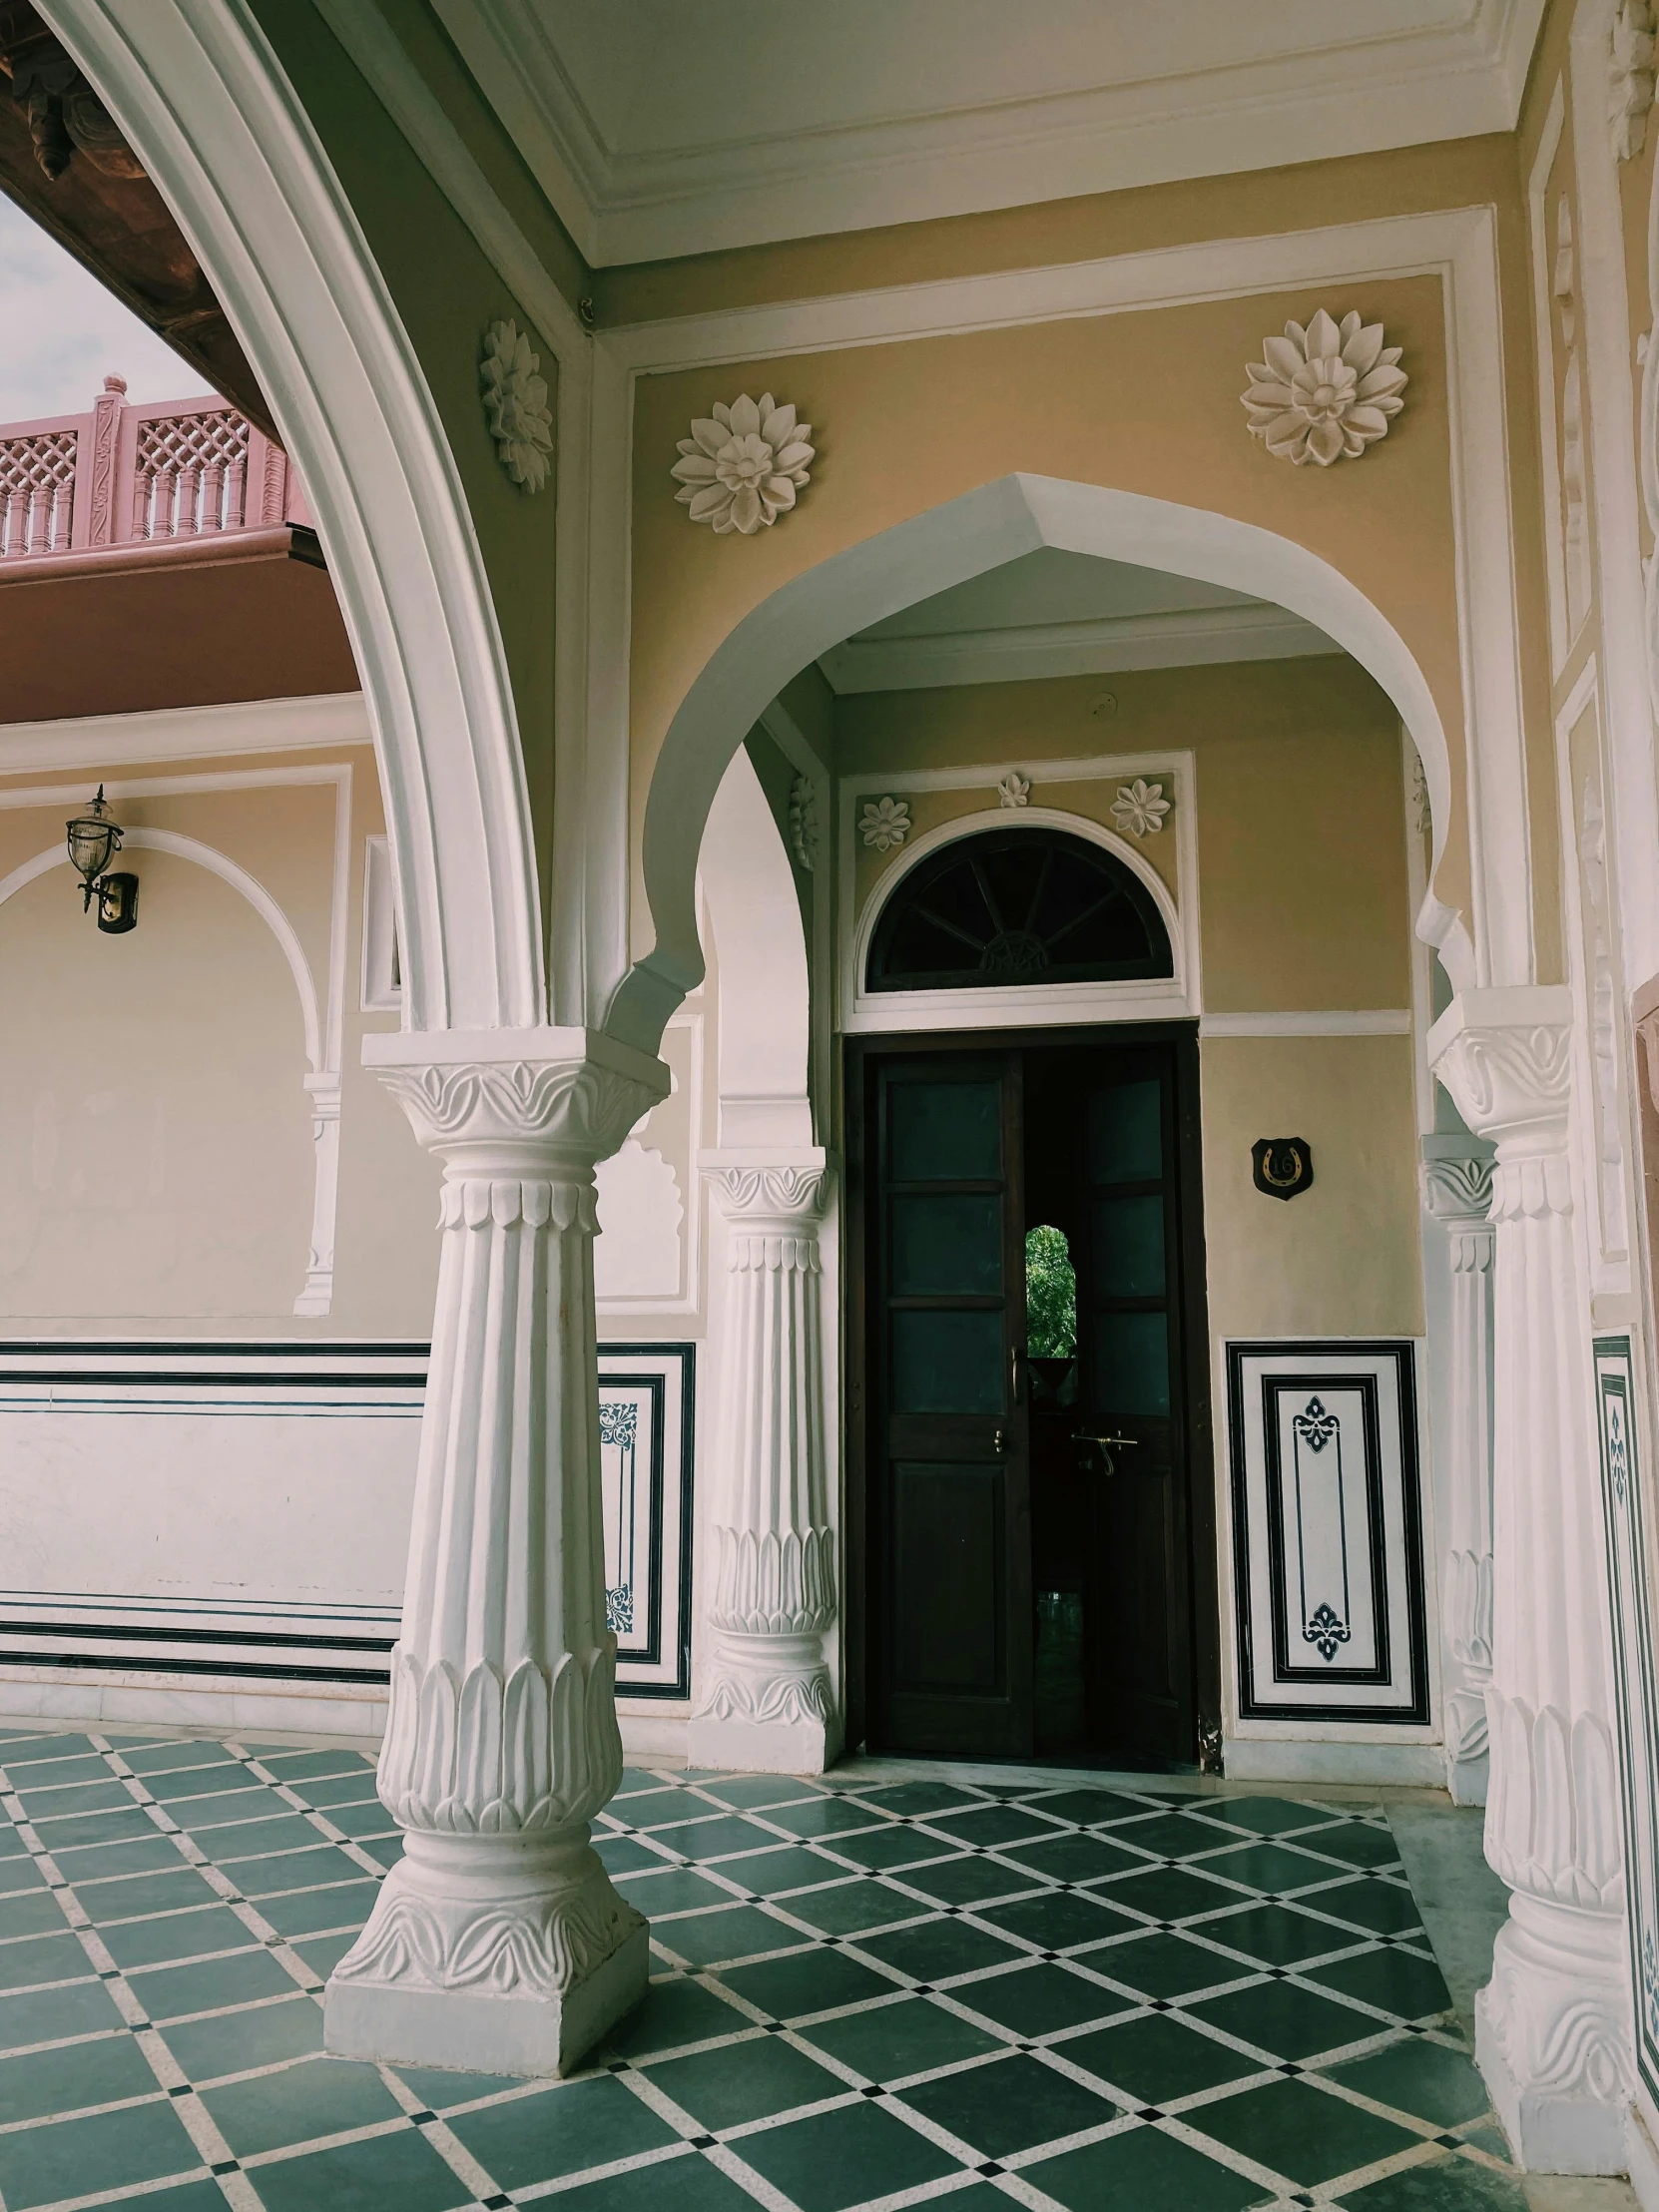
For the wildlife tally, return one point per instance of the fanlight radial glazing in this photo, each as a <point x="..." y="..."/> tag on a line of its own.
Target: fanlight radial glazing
<point x="1018" y="907"/>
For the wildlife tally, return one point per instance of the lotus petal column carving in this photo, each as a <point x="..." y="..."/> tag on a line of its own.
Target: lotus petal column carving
<point x="497" y="1943"/>
<point x="1553" y="2025"/>
<point x="770" y="1703"/>
<point x="1458" y="1191"/>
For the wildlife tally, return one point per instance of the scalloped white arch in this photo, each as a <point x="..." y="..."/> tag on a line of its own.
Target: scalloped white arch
<point x="201" y="96"/>
<point x="220" y="864"/>
<point x="980" y="530"/>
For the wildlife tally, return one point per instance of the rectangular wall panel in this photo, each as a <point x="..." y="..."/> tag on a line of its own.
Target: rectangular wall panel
<point x="242" y="1510"/>
<point x="1328" y="1559"/>
<point x="1631" y="1576"/>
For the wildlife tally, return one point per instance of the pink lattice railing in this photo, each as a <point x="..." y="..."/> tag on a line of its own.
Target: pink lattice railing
<point x="127" y="475"/>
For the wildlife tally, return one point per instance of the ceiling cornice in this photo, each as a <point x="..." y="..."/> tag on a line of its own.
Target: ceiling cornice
<point x="1188" y="638"/>
<point x="1353" y="96"/>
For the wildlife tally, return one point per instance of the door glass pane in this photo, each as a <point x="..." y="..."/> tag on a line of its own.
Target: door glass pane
<point x="1126" y="1133"/>
<point x="1129" y="1247"/>
<point x="948" y="1362"/>
<point x="945" y="1132"/>
<point x="948" y="1243"/>
<point x="1131" y="1364"/>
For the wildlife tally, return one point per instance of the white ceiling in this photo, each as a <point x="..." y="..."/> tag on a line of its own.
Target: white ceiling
<point x="661" y="128"/>
<point x="1065" y="614"/>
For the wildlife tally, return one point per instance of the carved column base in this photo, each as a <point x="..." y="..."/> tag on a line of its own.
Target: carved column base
<point x="1552" y="2037"/>
<point x="489" y="1954"/>
<point x="1467" y="1760"/>
<point x="772" y="1709"/>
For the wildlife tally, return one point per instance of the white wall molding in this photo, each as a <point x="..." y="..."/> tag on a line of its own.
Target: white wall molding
<point x="327" y="721"/>
<point x="202" y="99"/>
<point x="930" y="552"/>
<point x="1362" y="1021"/>
<point x="1192" y="637"/>
<point x="1625" y="646"/>
<point x="1170" y="117"/>
<point x="323" y="1016"/>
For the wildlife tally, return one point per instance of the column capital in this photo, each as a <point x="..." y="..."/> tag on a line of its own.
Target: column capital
<point x="1456" y="1175"/>
<point x="1506" y="1057"/>
<point x="567" y="1096"/>
<point x="765" y="1187"/>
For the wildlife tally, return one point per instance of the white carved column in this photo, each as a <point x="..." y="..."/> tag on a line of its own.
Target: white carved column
<point x="497" y="1943"/>
<point x="769" y="1701"/>
<point x="1553" y="2025"/>
<point x="318" y="1292"/>
<point x="1458" y="1191"/>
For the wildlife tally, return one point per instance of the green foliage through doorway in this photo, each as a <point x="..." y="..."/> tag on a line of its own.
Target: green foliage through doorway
<point x="1050" y="1295"/>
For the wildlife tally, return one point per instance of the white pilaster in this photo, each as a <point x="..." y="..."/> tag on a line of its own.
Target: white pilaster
<point x="770" y="1703"/>
<point x="1458" y="1191"/>
<point x="1553" y="2025"/>
<point x="497" y="1943"/>
<point x="319" y="1293"/>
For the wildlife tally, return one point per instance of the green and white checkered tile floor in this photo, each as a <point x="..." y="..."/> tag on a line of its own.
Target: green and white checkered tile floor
<point x="866" y="1991"/>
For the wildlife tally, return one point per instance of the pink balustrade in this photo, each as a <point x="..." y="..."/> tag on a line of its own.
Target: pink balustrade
<point x="125" y="475"/>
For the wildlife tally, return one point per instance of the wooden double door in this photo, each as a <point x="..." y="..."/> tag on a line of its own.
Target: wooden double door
<point x="1031" y="1411"/>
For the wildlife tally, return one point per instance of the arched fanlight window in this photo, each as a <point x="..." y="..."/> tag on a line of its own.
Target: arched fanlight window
<point x="1018" y="907"/>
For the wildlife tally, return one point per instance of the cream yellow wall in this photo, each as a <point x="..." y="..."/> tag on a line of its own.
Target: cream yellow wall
<point x="167" y="1066"/>
<point x="1147" y="402"/>
<point x="1343" y="1259"/>
<point x="1303" y="903"/>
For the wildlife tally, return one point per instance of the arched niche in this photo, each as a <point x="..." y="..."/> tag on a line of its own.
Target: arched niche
<point x="157" y="1149"/>
<point x="999" y="522"/>
<point x="205" y="104"/>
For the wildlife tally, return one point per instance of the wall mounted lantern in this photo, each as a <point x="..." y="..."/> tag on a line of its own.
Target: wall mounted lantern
<point x="94" y="841"/>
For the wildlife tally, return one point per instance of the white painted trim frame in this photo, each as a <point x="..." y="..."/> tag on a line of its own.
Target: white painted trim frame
<point x="1457" y="246"/>
<point x="203" y="100"/>
<point x="1543" y="339"/>
<point x="323" y="1019"/>
<point x="1359" y="1021"/>
<point x="1609" y="1268"/>
<point x="1614" y="503"/>
<point x="329" y="722"/>
<point x="864" y="1012"/>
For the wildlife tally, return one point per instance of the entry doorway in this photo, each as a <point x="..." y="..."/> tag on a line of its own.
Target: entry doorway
<point x="1029" y="1397"/>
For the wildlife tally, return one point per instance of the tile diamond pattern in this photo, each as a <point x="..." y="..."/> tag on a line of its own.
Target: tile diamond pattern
<point x="865" y="1991"/>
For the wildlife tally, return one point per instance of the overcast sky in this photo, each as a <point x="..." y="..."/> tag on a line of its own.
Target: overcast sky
<point x="62" y="333"/>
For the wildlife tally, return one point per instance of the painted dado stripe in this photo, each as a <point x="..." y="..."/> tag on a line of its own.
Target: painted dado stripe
<point x="55" y="1628"/>
<point x="306" y="1380"/>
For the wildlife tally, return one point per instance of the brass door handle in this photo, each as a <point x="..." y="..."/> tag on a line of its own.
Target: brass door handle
<point x="1104" y="1446"/>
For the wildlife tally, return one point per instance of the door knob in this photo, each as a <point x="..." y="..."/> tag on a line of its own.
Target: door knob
<point x="999" y="1442"/>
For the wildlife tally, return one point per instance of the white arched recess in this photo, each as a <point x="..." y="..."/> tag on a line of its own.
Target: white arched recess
<point x="999" y="522"/>
<point x="770" y="1567"/>
<point x="764" y="1024"/>
<point x="204" y="102"/>
<point x="322" y="1078"/>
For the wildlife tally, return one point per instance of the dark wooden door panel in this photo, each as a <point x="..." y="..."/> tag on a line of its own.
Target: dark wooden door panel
<point x="950" y="1637"/>
<point x="949" y="1526"/>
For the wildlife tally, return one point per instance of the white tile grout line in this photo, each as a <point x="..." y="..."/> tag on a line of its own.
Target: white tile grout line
<point x="1228" y="1838"/>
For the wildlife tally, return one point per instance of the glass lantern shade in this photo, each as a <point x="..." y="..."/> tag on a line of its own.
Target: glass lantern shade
<point x="93" y="839"/>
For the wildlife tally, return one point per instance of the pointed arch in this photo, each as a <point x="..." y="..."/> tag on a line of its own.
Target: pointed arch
<point x="981" y="530"/>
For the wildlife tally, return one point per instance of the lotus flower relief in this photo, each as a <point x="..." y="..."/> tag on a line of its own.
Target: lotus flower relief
<point x="1324" y="391"/>
<point x="515" y="405"/>
<point x="742" y="468"/>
